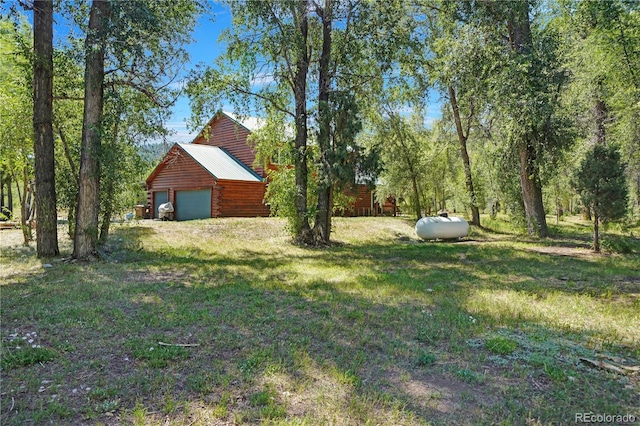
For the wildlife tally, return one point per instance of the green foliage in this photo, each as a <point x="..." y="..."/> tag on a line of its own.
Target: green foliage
<point x="620" y="244"/>
<point x="500" y="345"/>
<point x="12" y="358"/>
<point x="281" y="193"/>
<point x="602" y="38"/>
<point x="426" y="359"/>
<point x="155" y="355"/>
<point x="16" y="110"/>
<point x="412" y="161"/>
<point x="600" y="181"/>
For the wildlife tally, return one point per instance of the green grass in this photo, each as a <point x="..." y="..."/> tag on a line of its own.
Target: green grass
<point x="381" y="328"/>
<point x="500" y="345"/>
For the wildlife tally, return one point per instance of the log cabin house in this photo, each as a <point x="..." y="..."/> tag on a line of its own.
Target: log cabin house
<point x="214" y="176"/>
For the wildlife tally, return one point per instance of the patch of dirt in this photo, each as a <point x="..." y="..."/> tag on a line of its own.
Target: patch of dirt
<point x="441" y="395"/>
<point x="576" y="252"/>
<point x="154" y="277"/>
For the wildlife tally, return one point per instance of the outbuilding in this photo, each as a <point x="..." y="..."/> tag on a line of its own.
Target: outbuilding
<point x="215" y="176"/>
<point x="212" y="176"/>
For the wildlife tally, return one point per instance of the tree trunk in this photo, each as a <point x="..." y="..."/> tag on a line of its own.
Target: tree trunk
<point x="416" y="196"/>
<point x="522" y="43"/>
<point x="6" y="208"/>
<point x="109" y="194"/>
<point x="322" y="224"/>
<point x="45" y="197"/>
<point x="3" y="209"/>
<point x="25" y="209"/>
<point x="532" y="191"/>
<point x="86" y="231"/>
<point x="10" y="196"/>
<point x="71" y="217"/>
<point x="107" y="213"/>
<point x="596" y="236"/>
<point x="600" y="113"/>
<point x="462" y="138"/>
<point x="303" y="229"/>
<point x="396" y="126"/>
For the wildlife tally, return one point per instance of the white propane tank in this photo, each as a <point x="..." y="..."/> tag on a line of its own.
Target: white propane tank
<point x="442" y="228"/>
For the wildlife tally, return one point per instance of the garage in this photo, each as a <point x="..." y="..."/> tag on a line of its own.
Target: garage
<point x="159" y="197"/>
<point x="193" y="204"/>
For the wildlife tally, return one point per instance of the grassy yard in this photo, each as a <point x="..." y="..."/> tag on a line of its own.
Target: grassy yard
<point x="381" y="328"/>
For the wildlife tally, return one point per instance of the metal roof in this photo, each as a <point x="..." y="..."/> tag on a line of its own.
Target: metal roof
<point x="250" y="123"/>
<point x="219" y="162"/>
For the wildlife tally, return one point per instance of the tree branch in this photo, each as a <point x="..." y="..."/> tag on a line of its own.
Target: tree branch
<point x="65" y="146"/>
<point x="273" y="103"/>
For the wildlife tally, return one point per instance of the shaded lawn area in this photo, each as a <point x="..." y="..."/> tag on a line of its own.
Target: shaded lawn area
<point x="381" y="328"/>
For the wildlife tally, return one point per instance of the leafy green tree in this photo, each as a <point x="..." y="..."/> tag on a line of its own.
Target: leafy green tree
<point x="128" y="44"/>
<point x="602" y="45"/>
<point x="461" y="65"/>
<point x="131" y="118"/>
<point x="16" y="107"/>
<point x="600" y="181"/>
<point x="295" y="46"/>
<point x="67" y="125"/>
<point x="266" y="68"/>
<point x="403" y="150"/>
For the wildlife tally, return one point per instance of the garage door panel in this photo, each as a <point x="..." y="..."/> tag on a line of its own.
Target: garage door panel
<point x="193" y="204"/>
<point x="159" y="197"/>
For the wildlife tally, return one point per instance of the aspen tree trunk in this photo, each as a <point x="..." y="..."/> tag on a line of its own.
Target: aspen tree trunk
<point x="462" y="138"/>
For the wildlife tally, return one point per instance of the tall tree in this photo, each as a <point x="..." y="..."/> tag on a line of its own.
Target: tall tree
<point x="601" y="184"/>
<point x="322" y="224"/>
<point x="521" y="42"/>
<point x="45" y="198"/>
<point x="525" y="84"/>
<point x="142" y="43"/>
<point x="459" y="60"/>
<point x="86" y="230"/>
<point x="301" y="60"/>
<point x="295" y="48"/>
<point x="280" y="50"/>
<point x="602" y="52"/>
<point x="463" y="136"/>
<point x="16" y="132"/>
<point x="402" y="144"/>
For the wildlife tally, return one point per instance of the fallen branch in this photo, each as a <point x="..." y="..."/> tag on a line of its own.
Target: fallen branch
<point x="616" y="368"/>
<point x="182" y="345"/>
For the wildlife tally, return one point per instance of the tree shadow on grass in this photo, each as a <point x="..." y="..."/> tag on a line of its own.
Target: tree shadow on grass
<point x="387" y="333"/>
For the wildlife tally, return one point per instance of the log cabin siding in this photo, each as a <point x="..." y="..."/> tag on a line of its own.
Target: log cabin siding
<point x="178" y="171"/>
<point x="225" y="133"/>
<point x="242" y="199"/>
<point x="363" y="205"/>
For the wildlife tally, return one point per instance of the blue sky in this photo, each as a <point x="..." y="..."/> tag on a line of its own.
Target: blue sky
<point x="205" y="48"/>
